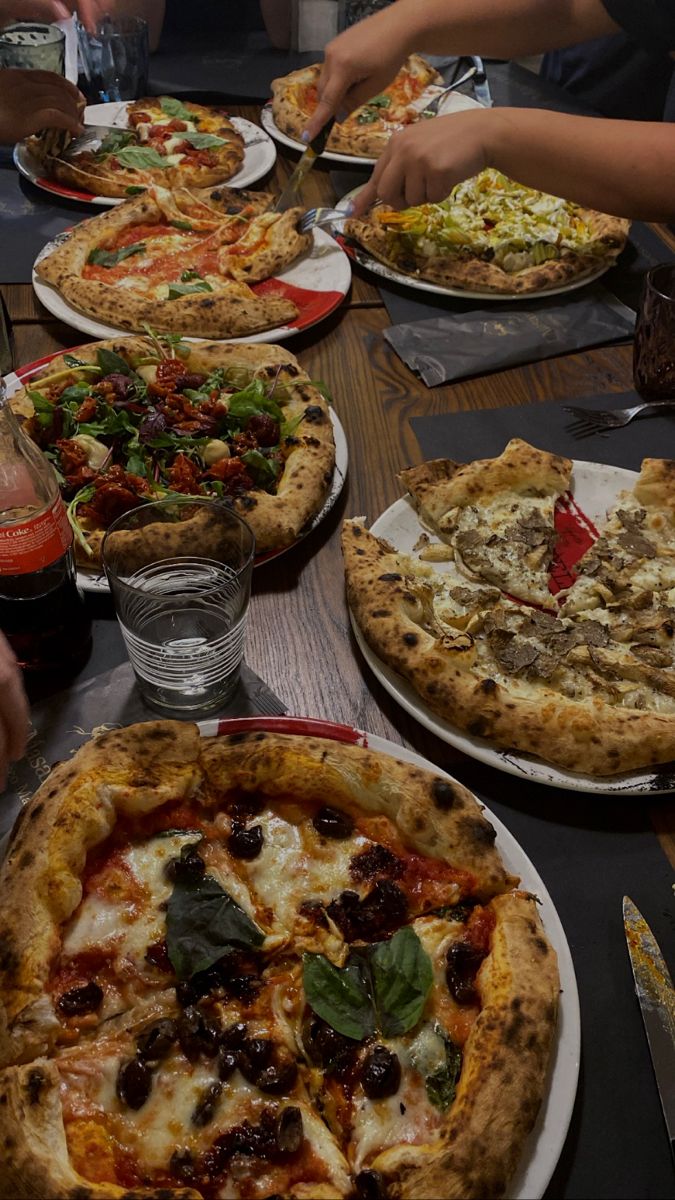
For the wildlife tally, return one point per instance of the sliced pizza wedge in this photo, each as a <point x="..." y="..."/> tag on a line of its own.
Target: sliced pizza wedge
<point x="497" y="514"/>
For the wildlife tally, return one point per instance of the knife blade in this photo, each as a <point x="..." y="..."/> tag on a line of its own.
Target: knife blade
<point x="290" y="197"/>
<point x="656" y="996"/>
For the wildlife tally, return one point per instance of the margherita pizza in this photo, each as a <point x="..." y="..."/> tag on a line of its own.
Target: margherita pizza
<point x="493" y="235"/>
<point x="264" y="966"/>
<point x="141" y="419"/>
<point x="583" y="679"/>
<point x="171" y="142"/>
<point x="366" y="131"/>
<point x="181" y="263"/>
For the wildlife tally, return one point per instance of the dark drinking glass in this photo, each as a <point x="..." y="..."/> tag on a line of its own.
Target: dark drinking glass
<point x="654" y="348"/>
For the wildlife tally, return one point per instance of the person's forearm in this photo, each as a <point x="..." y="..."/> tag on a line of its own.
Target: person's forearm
<point x="496" y="28"/>
<point x="626" y="168"/>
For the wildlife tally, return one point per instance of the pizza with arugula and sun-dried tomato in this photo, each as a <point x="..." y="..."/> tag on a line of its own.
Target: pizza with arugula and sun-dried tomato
<point x="264" y="965"/>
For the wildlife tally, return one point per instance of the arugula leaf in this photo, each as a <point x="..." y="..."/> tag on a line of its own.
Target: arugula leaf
<point x="187" y="225"/>
<point x="249" y="402"/>
<point x="339" y="995"/>
<point x="141" y="158"/>
<point x="264" y="471"/>
<point x="442" y="1084"/>
<point x="111" y="258"/>
<point x="55" y="458"/>
<point x="75" y="393"/>
<point x="188" y="289"/>
<point x="136" y="465"/>
<point x="44" y="409"/>
<point x="367" y="117"/>
<point x="402" y="976"/>
<point x="189" y="275"/>
<point x="289" y="427"/>
<point x="71" y="360"/>
<point x="175" y="108"/>
<point x="203" y="141"/>
<point x="112" y="363"/>
<point x="202" y="923"/>
<point x="80" y="497"/>
<point x="116" y="140"/>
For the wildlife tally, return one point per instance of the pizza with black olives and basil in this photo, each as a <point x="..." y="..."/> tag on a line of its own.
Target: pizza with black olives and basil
<point x="263" y="965"/>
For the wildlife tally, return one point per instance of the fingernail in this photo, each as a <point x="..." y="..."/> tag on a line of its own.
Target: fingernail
<point x="304" y="136"/>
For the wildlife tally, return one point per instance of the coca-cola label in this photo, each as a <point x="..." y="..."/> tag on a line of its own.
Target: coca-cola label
<point x="36" y="543"/>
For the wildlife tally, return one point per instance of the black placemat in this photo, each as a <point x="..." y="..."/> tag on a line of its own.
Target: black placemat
<point x="30" y="219"/>
<point x="63" y="722"/>
<point x="467" y="435"/>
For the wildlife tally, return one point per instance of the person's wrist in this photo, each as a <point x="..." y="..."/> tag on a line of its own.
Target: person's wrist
<point x="495" y="132"/>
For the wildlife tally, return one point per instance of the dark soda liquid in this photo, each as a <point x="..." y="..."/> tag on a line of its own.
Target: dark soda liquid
<point x="44" y="619"/>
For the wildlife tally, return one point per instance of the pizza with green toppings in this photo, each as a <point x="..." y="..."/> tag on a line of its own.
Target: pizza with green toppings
<point x="133" y="420"/>
<point x="493" y="235"/>
<point x="168" y="141"/>
<point x="262" y="966"/>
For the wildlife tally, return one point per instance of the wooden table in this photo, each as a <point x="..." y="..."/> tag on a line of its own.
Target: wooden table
<point x="299" y="636"/>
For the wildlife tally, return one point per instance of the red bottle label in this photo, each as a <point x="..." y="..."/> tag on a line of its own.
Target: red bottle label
<point x="34" y="544"/>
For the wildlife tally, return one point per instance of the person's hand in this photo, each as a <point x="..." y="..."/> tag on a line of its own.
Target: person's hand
<point x="33" y="10"/>
<point x="422" y="164"/>
<point x="358" y="64"/>
<point x="34" y="100"/>
<point x="14" y="719"/>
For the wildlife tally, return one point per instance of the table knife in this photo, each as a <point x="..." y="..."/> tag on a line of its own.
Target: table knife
<point x="290" y="197"/>
<point x="481" y="87"/>
<point x="656" y="996"/>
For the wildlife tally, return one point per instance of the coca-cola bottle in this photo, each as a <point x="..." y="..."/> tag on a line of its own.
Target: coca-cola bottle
<point x="42" y="614"/>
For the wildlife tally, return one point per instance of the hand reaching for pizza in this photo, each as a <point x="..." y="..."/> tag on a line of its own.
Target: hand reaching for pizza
<point x="34" y="100"/>
<point x="422" y="164"/>
<point x="14" y="722"/>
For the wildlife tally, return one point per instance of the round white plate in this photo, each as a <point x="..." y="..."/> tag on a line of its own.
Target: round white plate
<point x="544" y="1145"/>
<point x="364" y="259"/>
<point x="317" y="282"/>
<point x="455" y="102"/>
<point x="259" y="156"/>
<point x="96" y="582"/>
<point x="595" y="487"/>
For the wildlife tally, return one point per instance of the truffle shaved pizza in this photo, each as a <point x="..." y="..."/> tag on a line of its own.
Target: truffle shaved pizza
<point x="493" y="235"/>
<point x="180" y="262"/>
<point x="259" y="966"/>
<point x="366" y="131"/>
<point x="170" y="142"/>
<point x="138" y="419"/>
<point x="582" y="678"/>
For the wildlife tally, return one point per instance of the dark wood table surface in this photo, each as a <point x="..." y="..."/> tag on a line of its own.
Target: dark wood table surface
<point x="299" y="636"/>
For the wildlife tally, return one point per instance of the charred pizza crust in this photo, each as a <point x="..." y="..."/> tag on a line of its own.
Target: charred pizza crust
<point x="91" y="173"/>
<point x="348" y="136"/>
<point x="138" y="769"/>
<point x="277" y="519"/>
<point x="465" y="270"/>
<point x="234" y="311"/>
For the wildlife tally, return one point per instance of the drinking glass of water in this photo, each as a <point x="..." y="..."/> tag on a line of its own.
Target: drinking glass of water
<point x="33" y="46"/>
<point x="180" y="576"/>
<point x="113" y="61"/>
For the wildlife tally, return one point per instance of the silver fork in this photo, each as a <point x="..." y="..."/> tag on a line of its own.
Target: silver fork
<point x="320" y="216"/>
<point x="590" y="420"/>
<point x="433" y="106"/>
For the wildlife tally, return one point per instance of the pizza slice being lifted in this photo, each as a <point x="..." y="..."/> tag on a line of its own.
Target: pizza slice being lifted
<point x="497" y="514"/>
<point x="180" y="263"/>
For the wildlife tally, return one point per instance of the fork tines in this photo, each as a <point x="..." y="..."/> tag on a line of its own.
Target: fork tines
<point x="587" y="422"/>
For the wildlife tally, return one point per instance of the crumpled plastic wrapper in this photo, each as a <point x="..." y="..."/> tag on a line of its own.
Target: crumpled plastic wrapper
<point x="456" y="345"/>
<point x="64" y="722"/>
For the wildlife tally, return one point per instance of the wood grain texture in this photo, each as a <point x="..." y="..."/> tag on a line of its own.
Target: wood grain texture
<point x="300" y="639"/>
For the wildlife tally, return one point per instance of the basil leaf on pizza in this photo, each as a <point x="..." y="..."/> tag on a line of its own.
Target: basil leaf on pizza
<point x="402" y="976"/>
<point x="203" y="923"/>
<point x="203" y="141"/>
<point x="188" y="289"/>
<point x="176" y="109"/>
<point x="441" y="1084"/>
<point x="112" y="258"/>
<point x="141" y="157"/>
<point x="339" y="995"/>
<point x="114" y="141"/>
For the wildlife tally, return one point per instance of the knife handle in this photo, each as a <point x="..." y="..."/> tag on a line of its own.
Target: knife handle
<point x="318" y="144"/>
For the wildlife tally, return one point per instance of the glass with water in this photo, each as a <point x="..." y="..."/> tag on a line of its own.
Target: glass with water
<point x="33" y="46"/>
<point x="180" y="575"/>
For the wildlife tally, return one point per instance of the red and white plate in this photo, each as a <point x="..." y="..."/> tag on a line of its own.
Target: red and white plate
<point x="260" y="155"/>
<point x="317" y="283"/>
<point x="595" y="488"/>
<point x="545" y="1143"/>
<point x="95" y="581"/>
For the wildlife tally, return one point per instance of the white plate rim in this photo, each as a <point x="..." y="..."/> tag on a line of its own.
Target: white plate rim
<point x="341" y="277"/>
<point x="644" y="781"/>
<point x="97" y="584"/>
<point x="112" y="113"/>
<point x="370" y="263"/>
<point x="544" y="1144"/>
